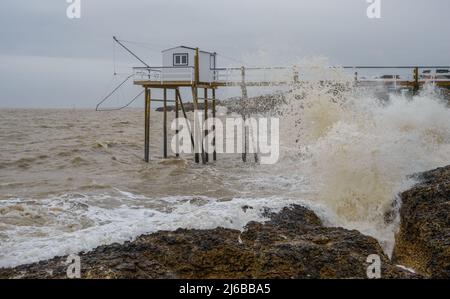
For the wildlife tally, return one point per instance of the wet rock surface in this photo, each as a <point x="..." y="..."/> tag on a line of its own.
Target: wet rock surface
<point x="423" y="241"/>
<point x="293" y="243"/>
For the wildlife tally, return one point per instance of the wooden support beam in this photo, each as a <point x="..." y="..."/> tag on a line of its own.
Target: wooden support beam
<point x="244" y="131"/>
<point x="147" y="125"/>
<point x="214" y="125"/>
<point x="195" y="102"/>
<point x="162" y="101"/>
<point x="177" y="108"/>
<point x="295" y="74"/>
<point x="243" y="85"/>
<point x="416" y="85"/>
<point x="196" y="67"/>
<point x="178" y="95"/>
<point x="243" y="113"/>
<point x="165" y="123"/>
<point x="206" y="118"/>
<point x="195" y="96"/>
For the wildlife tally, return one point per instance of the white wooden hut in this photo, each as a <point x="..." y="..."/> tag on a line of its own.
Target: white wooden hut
<point x="178" y="64"/>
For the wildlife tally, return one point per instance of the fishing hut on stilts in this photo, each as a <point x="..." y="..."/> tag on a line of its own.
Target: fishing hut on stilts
<point x="190" y="68"/>
<point x="183" y="67"/>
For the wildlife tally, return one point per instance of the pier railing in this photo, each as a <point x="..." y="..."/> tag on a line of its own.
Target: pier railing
<point x="238" y="75"/>
<point x="254" y="76"/>
<point x="163" y="74"/>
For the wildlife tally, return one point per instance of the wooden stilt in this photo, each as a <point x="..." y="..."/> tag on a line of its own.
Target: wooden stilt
<point x="244" y="111"/>
<point x="214" y="125"/>
<point x="196" y="67"/>
<point x="206" y="118"/>
<point x="295" y="74"/>
<point x="195" y="100"/>
<point x="147" y="125"/>
<point x="165" y="123"/>
<point x="195" y="97"/>
<point x="177" y="92"/>
<point x="177" y="108"/>
<point x="244" y="131"/>
<point x="243" y="85"/>
<point x="416" y="80"/>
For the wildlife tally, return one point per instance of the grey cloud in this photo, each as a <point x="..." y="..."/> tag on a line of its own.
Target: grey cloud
<point x="69" y="62"/>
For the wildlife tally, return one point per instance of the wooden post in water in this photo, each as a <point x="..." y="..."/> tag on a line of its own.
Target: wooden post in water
<point x="196" y="109"/>
<point x="416" y="80"/>
<point x="214" y="124"/>
<point x="165" y="123"/>
<point x="243" y="85"/>
<point x="243" y="107"/>
<point x="196" y="67"/>
<point x="295" y="69"/>
<point x="147" y="125"/>
<point x="206" y="118"/>
<point x="178" y="95"/>
<point x="195" y="100"/>
<point x="177" y="108"/>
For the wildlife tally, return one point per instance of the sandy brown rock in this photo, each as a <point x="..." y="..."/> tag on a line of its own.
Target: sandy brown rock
<point x="292" y="244"/>
<point x="423" y="241"/>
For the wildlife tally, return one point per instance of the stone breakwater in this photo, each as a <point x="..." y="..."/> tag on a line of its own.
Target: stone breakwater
<point x="293" y="243"/>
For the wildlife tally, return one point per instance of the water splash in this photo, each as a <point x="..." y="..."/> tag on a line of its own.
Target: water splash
<point x="359" y="149"/>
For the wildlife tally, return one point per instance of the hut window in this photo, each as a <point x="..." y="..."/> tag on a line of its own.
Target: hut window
<point x="180" y="59"/>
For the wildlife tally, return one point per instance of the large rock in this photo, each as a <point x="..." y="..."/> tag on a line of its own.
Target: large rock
<point x="423" y="241"/>
<point x="292" y="244"/>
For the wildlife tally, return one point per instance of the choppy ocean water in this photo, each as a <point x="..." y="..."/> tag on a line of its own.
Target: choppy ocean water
<point x="71" y="180"/>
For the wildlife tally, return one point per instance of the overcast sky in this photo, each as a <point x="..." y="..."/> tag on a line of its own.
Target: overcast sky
<point x="48" y="60"/>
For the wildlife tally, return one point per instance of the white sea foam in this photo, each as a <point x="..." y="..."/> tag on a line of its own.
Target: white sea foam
<point x="77" y="225"/>
<point x="359" y="150"/>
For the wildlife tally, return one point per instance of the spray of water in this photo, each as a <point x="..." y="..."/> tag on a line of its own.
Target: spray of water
<point x="359" y="149"/>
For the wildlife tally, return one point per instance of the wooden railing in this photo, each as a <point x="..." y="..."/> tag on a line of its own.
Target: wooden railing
<point x="253" y="76"/>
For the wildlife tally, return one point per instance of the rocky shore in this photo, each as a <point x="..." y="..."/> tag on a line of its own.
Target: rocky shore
<point x="293" y="243"/>
<point x="423" y="241"/>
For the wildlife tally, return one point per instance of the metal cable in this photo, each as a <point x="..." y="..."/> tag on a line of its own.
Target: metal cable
<point x="125" y="106"/>
<point x="112" y="92"/>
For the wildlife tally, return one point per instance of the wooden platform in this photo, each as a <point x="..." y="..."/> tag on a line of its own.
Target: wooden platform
<point x="175" y="84"/>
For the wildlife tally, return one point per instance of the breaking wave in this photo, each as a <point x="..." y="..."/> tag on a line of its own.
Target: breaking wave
<point x="359" y="150"/>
